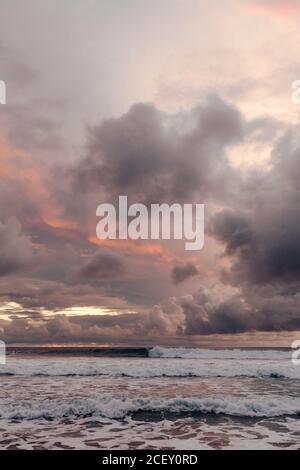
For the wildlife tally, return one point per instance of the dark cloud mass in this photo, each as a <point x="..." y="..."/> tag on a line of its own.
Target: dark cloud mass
<point x="146" y="155"/>
<point x="263" y="234"/>
<point x="103" y="266"/>
<point x="182" y="272"/>
<point x="263" y="309"/>
<point x="50" y="261"/>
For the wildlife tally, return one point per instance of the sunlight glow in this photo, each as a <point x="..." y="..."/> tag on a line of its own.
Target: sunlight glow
<point x="92" y="310"/>
<point x="9" y="309"/>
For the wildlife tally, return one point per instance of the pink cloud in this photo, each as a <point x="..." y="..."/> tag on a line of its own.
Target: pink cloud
<point x="271" y="7"/>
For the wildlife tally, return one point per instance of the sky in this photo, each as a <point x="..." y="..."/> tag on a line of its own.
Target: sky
<point x="183" y="101"/>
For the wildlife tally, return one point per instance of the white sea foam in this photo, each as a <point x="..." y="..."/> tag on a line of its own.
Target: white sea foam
<point x="118" y="408"/>
<point x="178" y="434"/>
<point x="150" y="368"/>
<point x="234" y="354"/>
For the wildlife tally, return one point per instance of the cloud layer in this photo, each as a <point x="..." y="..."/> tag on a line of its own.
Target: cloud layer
<point x="160" y="118"/>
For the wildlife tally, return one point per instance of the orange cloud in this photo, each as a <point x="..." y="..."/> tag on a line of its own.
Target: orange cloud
<point x="128" y="246"/>
<point x="19" y="168"/>
<point x="271" y="7"/>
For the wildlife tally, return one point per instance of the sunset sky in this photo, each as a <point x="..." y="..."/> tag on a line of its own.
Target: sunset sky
<point x="184" y="101"/>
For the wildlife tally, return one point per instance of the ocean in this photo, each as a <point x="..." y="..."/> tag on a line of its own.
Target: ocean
<point x="156" y="398"/>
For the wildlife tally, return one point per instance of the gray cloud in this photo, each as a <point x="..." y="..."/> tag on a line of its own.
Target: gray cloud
<point x="54" y="174"/>
<point x="145" y="155"/>
<point x="104" y="265"/>
<point x="205" y="315"/>
<point x="182" y="272"/>
<point x="15" y="248"/>
<point x="149" y="156"/>
<point x="262" y="233"/>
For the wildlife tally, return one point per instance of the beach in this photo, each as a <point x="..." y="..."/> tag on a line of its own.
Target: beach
<point x="179" y="399"/>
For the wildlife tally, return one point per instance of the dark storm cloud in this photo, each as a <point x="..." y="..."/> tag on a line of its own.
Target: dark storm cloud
<point x="263" y="234"/>
<point x="205" y="316"/>
<point x="53" y="176"/>
<point x="153" y="157"/>
<point x="104" y="265"/>
<point x="62" y="328"/>
<point x="233" y="229"/>
<point x="263" y="311"/>
<point x="200" y="314"/>
<point x="183" y="272"/>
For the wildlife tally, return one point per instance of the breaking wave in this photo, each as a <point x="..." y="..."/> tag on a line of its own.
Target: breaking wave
<point x="119" y="408"/>
<point x="239" y="354"/>
<point x="138" y="368"/>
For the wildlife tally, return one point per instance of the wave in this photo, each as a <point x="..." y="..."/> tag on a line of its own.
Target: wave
<point x="195" y="353"/>
<point x="119" y="408"/>
<point x="153" y="352"/>
<point x="147" y="369"/>
<point x="49" y="351"/>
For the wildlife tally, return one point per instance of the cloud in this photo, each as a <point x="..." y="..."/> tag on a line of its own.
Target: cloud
<point x="265" y="309"/>
<point x="38" y="295"/>
<point x="233" y="229"/>
<point x="103" y="265"/>
<point x="155" y="157"/>
<point x="145" y="154"/>
<point x="53" y="174"/>
<point x="15" y="248"/>
<point x="262" y="233"/>
<point x="183" y="272"/>
<point x="113" y="328"/>
<point x="206" y="315"/>
<point x="271" y="7"/>
<point x="208" y="312"/>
